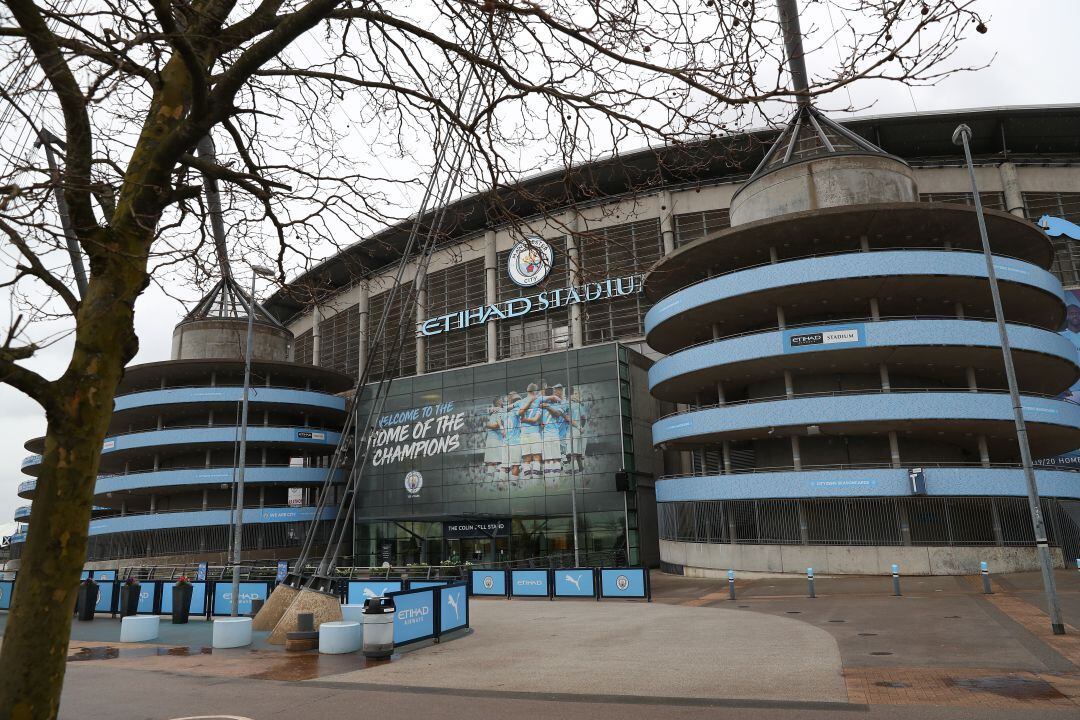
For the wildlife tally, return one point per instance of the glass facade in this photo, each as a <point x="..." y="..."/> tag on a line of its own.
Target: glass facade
<point x="489" y="463"/>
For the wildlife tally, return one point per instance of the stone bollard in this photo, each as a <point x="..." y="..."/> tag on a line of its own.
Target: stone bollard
<point x="731" y="584"/>
<point x="810" y="581"/>
<point x="896" y="580"/>
<point x="985" y="570"/>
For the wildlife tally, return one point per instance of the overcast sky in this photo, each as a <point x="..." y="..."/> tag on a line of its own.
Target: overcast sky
<point x="1037" y="59"/>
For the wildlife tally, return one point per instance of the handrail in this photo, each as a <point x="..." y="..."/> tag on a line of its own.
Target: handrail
<point x="222" y="427"/>
<point x="866" y="391"/>
<point x="974" y="251"/>
<point x="864" y="466"/>
<point x="841" y="321"/>
<point x="250" y="468"/>
<point x="209" y="508"/>
<point x="204" y="386"/>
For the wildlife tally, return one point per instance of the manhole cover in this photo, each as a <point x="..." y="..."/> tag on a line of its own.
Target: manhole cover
<point x="1010" y="686"/>
<point x="881" y="652"/>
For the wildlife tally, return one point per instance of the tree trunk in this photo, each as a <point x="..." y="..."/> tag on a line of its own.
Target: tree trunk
<point x="35" y="645"/>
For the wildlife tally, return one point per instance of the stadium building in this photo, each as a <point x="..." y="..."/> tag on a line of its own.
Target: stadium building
<point x="165" y="491"/>
<point x="742" y="352"/>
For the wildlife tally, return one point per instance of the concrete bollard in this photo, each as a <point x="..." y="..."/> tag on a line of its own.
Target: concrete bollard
<point x="810" y="581"/>
<point x="985" y="570"/>
<point x="731" y="584"/>
<point x="896" y="580"/>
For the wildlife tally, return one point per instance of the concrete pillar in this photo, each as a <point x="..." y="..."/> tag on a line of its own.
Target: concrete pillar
<point x="883" y="370"/>
<point x="573" y="258"/>
<point x="789" y="384"/>
<point x="262" y="496"/>
<point x="205" y="499"/>
<point x="959" y="308"/>
<point x="984" y="451"/>
<point x="421" y="316"/>
<point x="363" y="322"/>
<point x="780" y="319"/>
<point x="732" y="526"/>
<point x="209" y="419"/>
<point x="774" y="257"/>
<point x="864" y="243"/>
<point x="491" y="293"/>
<point x="973" y="386"/>
<point x="894" y="448"/>
<point x="316" y="335"/>
<point x="726" y="449"/>
<point x="804" y="527"/>
<point x="1010" y="186"/>
<point x="213" y="380"/>
<point x="875" y="309"/>
<point x="719" y="385"/>
<point x="796" y="457"/>
<point x="153" y="502"/>
<point x="123" y="508"/>
<point x="667" y="222"/>
<point x="207" y="459"/>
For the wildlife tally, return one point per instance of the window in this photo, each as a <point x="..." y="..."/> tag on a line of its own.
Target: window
<point x="535" y="332"/>
<point x="1066" y="252"/>
<point x="694" y="226"/>
<point x="616" y="252"/>
<point x="387" y="361"/>
<point x="459" y="287"/>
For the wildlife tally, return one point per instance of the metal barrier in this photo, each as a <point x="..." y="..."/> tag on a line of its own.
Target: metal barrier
<point x="581" y="582"/>
<point x="430" y="612"/>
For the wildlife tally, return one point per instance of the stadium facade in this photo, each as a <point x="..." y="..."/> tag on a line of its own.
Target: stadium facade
<point x="732" y="372"/>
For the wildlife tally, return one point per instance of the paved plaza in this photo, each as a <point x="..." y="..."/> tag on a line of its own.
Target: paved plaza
<point x="942" y="646"/>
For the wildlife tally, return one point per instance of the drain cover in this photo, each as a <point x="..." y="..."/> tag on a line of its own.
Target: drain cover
<point x="794" y="612"/>
<point x="1009" y="686"/>
<point x="868" y="634"/>
<point x="881" y="652"/>
<point x="838" y="621"/>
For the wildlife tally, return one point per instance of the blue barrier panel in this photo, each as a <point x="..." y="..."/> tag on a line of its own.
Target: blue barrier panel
<point x="414" y="615"/>
<point x="106" y="590"/>
<point x="453" y="607"/>
<point x="624" y="583"/>
<point x="575" y="582"/>
<point x="487" y="582"/>
<point x="361" y="590"/>
<point x="198" y="599"/>
<point x="147" y="595"/>
<point x="100" y="575"/>
<point x="529" y="583"/>
<point x="222" y="598"/>
<point x="6" y="588"/>
<point x="85" y="574"/>
<point x="421" y="584"/>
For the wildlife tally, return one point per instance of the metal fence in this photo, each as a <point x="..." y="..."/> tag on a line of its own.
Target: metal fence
<point x="867" y="521"/>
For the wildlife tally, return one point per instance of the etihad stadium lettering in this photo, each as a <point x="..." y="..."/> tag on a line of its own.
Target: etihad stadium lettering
<point x="547" y="300"/>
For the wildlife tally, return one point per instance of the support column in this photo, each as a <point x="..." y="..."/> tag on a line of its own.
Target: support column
<point x="864" y="243"/>
<point x="875" y="309"/>
<point x="984" y="451"/>
<point x="774" y="257"/>
<point x="667" y="222"/>
<point x="894" y="448"/>
<point x="573" y="257"/>
<point x="781" y="321"/>
<point x="363" y="312"/>
<point x="995" y="519"/>
<point x="1010" y="186"/>
<point x="720" y="399"/>
<point x="796" y="457"/>
<point x="886" y="384"/>
<point x="726" y="449"/>
<point x="205" y="499"/>
<point x="789" y="384"/>
<point x="973" y="386"/>
<point x="421" y="316"/>
<point x="731" y="524"/>
<point x="491" y="293"/>
<point x="316" y="336"/>
<point x="959" y="308"/>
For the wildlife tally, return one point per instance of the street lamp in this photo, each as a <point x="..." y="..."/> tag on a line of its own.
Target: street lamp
<point x="962" y="136"/>
<point x="238" y="513"/>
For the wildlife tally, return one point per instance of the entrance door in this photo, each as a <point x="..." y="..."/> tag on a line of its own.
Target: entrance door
<point x="478" y="551"/>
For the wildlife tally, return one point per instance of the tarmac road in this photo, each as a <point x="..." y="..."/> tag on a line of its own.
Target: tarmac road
<point x="93" y="691"/>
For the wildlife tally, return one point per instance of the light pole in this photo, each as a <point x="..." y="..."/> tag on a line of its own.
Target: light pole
<point x="962" y="136"/>
<point x="238" y="512"/>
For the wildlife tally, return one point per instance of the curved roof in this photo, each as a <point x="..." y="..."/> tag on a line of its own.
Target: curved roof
<point x="1019" y="133"/>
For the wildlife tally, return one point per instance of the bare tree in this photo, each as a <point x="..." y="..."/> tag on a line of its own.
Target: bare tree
<point x="324" y="112"/>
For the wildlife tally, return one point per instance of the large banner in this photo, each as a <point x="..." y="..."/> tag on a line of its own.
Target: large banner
<point x="1072" y="332"/>
<point x="537" y="436"/>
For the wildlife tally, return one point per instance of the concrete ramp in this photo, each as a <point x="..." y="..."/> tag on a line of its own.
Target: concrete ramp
<point x="622" y="648"/>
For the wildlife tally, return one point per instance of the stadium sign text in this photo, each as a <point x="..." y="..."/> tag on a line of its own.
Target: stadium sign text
<point x="547" y="300"/>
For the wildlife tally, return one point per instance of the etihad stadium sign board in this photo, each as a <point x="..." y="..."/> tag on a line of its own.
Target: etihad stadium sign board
<point x="540" y="302"/>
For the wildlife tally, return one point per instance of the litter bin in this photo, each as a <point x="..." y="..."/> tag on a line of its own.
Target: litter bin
<point x="378" y="627"/>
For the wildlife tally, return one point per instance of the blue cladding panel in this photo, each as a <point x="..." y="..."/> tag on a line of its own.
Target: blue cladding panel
<point x="280" y="396"/>
<point x="248" y="591"/>
<point x="198" y="598"/>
